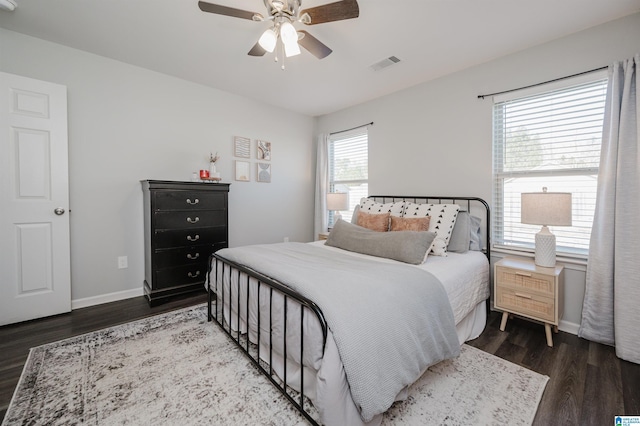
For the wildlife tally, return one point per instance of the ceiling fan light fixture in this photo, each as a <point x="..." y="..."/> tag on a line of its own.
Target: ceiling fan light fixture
<point x="288" y="33"/>
<point x="305" y="18"/>
<point x="268" y="40"/>
<point x="291" y="49"/>
<point x="277" y="5"/>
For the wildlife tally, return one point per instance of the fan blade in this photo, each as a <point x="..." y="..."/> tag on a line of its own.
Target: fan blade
<point x="345" y="9"/>
<point x="224" y="10"/>
<point x="257" y="50"/>
<point x="314" y="46"/>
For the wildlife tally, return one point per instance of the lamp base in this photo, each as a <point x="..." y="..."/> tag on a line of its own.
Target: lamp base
<point x="545" y="248"/>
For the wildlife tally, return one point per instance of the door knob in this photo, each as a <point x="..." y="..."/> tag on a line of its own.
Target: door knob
<point x="59" y="211"/>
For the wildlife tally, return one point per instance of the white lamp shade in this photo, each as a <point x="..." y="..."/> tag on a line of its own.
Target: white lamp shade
<point x="337" y="201"/>
<point x="289" y="37"/>
<point x="288" y="33"/>
<point x="268" y="40"/>
<point x="291" y="49"/>
<point x="546" y="208"/>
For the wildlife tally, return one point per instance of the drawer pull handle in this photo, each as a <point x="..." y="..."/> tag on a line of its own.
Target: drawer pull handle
<point x="193" y="256"/>
<point x="192" y="275"/>
<point x="190" y="238"/>
<point x="524" y="274"/>
<point x="196" y="220"/>
<point x="196" y="201"/>
<point x="524" y="296"/>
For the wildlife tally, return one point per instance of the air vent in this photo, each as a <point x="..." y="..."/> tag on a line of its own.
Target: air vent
<point x="385" y="63"/>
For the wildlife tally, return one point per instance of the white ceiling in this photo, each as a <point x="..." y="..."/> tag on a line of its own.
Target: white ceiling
<point x="431" y="37"/>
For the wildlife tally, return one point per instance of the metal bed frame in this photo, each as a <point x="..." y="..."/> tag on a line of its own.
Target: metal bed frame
<point x="222" y="266"/>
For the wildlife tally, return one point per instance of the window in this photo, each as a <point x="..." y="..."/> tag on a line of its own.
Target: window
<point x="348" y="167"/>
<point x="548" y="139"/>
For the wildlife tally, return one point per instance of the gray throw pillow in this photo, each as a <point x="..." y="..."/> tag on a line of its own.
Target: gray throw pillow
<point x="404" y="246"/>
<point x="461" y="234"/>
<point x="476" y="233"/>
<point x="354" y="217"/>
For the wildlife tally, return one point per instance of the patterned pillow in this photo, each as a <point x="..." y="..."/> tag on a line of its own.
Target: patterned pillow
<point x="410" y="224"/>
<point x="369" y="206"/>
<point x="375" y="222"/>
<point x="443" y="217"/>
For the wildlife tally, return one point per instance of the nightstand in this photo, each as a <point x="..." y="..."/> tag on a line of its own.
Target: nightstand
<point x="323" y="236"/>
<point x="522" y="288"/>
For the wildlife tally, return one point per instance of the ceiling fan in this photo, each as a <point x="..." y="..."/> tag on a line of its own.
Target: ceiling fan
<point x="284" y="13"/>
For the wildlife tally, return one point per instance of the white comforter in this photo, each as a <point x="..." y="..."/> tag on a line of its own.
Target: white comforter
<point x="465" y="278"/>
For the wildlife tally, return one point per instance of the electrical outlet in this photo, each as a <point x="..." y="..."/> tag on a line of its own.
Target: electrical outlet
<point x="123" y="262"/>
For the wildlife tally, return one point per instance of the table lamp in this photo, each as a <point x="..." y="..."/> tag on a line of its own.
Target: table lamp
<point x="546" y="209"/>
<point x="336" y="202"/>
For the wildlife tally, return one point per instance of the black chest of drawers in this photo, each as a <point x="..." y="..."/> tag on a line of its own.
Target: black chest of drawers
<point x="184" y="222"/>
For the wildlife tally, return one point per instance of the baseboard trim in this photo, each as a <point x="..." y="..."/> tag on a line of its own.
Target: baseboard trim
<point x="569" y="327"/>
<point x="106" y="298"/>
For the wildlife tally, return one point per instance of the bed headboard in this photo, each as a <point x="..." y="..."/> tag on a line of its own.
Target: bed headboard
<point x="474" y="205"/>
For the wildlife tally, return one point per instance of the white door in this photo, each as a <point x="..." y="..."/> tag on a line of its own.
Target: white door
<point x="34" y="200"/>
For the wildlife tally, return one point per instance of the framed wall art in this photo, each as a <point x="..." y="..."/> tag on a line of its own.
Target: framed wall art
<point x="241" y="147"/>
<point x="243" y="170"/>
<point x="264" y="172"/>
<point x="264" y="150"/>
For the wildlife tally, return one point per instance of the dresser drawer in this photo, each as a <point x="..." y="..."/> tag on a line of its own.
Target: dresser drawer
<point x="185" y="255"/>
<point x="526" y="303"/>
<point x="189" y="219"/>
<point x="181" y="275"/>
<point x="525" y="280"/>
<point x="189" y="200"/>
<point x="188" y="237"/>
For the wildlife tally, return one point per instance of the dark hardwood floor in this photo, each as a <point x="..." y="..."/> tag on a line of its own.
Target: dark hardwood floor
<point x="588" y="384"/>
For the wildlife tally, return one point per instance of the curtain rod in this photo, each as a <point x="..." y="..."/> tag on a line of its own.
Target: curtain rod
<point x="353" y="128"/>
<point x="544" y="82"/>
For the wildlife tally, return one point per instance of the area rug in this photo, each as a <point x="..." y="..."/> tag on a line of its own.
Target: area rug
<point x="176" y="368"/>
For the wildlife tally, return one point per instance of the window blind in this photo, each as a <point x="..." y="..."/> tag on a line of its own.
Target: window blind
<point x="349" y="166"/>
<point x="550" y="139"/>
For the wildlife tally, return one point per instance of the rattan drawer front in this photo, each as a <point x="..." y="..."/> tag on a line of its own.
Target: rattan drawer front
<point x="538" y="307"/>
<point x="526" y="280"/>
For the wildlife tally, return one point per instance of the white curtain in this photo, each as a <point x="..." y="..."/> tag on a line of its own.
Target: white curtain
<point x="321" y="216"/>
<point x="611" y="308"/>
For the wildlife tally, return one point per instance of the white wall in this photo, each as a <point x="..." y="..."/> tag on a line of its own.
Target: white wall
<point x="127" y="124"/>
<point x="435" y="138"/>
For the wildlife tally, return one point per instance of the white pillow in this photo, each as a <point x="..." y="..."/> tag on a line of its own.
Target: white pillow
<point x="369" y="206"/>
<point x="443" y="218"/>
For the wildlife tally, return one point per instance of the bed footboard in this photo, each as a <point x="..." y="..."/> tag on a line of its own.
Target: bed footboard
<point x="240" y="284"/>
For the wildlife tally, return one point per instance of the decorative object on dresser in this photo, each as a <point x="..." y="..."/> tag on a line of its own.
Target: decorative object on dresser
<point x="546" y="209"/>
<point x="214" y="174"/>
<point x="525" y="289"/>
<point x="184" y="223"/>
<point x="337" y="202"/>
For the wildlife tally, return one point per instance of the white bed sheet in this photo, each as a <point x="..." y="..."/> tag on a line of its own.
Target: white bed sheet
<point x="465" y="278"/>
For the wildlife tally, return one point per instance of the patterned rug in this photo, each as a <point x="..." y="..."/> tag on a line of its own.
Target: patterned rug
<point x="176" y="368"/>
